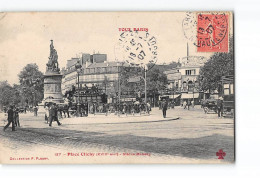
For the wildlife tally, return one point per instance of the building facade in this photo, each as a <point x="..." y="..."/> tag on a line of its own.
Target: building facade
<point x="95" y="70"/>
<point x="183" y="81"/>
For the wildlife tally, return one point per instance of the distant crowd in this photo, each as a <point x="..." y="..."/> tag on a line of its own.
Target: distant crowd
<point x="54" y="112"/>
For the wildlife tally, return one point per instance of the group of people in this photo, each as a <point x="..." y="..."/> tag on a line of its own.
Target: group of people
<point x="13" y="117"/>
<point x="129" y="108"/>
<point x="122" y="108"/>
<point x="94" y="108"/>
<point x="187" y="103"/>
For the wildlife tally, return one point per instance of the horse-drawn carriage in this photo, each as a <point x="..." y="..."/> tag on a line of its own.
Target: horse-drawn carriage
<point x="210" y="105"/>
<point x="228" y="96"/>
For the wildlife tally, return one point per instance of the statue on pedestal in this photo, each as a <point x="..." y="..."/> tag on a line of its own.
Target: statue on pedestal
<point x="53" y="78"/>
<point x="52" y="64"/>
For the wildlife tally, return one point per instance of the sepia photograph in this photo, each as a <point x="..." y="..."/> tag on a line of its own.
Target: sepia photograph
<point x="117" y="87"/>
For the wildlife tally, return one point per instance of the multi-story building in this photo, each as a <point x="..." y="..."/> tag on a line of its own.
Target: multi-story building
<point x="184" y="79"/>
<point x="95" y="70"/>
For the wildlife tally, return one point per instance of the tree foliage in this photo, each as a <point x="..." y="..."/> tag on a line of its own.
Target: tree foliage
<point x="31" y="81"/>
<point x="6" y="93"/>
<point x="9" y="95"/>
<point x="219" y="65"/>
<point x="155" y="78"/>
<point x="28" y="91"/>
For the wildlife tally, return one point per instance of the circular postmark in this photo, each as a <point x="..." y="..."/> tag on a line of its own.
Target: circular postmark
<point x="189" y="26"/>
<point x="205" y="29"/>
<point x="137" y="48"/>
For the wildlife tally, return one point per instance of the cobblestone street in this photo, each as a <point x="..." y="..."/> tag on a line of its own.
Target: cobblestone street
<point x="184" y="136"/>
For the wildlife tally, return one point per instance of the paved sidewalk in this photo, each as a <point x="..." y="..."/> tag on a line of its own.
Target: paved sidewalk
<point x="113" y="118"/>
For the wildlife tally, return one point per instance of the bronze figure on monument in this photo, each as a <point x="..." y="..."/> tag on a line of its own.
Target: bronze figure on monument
<point x="52" y="64"/>
<point x="52" y="77"/>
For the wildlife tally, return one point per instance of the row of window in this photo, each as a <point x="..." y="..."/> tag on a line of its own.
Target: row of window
<point x="190" y="72"/>
<point x="101" y="77"/>
<point x="102" y="69"/>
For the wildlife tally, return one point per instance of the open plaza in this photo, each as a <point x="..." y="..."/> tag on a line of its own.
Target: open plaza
<point x="184" y="136"/>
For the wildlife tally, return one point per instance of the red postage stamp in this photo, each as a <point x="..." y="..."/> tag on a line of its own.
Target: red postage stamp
<point x="212" y="32"/>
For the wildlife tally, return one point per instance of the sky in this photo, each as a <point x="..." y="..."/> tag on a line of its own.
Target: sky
<point x="25" y="37"/>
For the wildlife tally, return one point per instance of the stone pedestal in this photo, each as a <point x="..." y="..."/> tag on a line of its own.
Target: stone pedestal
<point x="52" y="86"/>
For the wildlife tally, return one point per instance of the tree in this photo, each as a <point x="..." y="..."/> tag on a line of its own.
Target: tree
<point x="31" y="80"/>
<point x="9" y="95"/>
<point x="156" y="80"/>
<point x="6" y="93"/>
<point x="220" y="64"/>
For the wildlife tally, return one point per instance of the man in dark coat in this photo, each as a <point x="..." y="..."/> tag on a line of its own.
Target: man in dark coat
<point x="86" y="108"/>
<point x="54" y="114"/>
<point x="35" y="110"/>
<point x="220" y="107"/>
<point x="164" y="107"/>
<point x="66" y="110"/>
<point x="10" y="118"/>
<point x="188" y="104"/>
<point x="16" y="117"/>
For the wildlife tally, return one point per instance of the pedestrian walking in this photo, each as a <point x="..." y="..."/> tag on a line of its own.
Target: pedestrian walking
<point x="60" y="109"/>
<point x="148" y="108"/>
<point x="66" y="110"/>
<point x="35" y="109"/>
<point x="192" y="104"/>
<point x="220" y="107"/>
<point x="14" y="109"/>
<point x="47" y="114"/>
<point x="188" y="104"/>
<point x="86" y="109"/>
<point x="82" y="109"/>
<point x="16" y="117"/>
<point x="173" y="104"/>
<point x="54" y="114"/>
<point x="164" y="107"/>
<point x="25" y="108"/>
<point x="184" y="104"/>
<point x="10" y="118"/>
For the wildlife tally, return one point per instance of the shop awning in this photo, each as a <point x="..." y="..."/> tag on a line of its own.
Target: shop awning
<point x="170" y="96"/>
<point x="189" y="95"/>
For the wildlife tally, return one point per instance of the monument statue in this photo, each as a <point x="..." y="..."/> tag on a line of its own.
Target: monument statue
<point x="52" y="64"/>
<point x="53" y="78"/>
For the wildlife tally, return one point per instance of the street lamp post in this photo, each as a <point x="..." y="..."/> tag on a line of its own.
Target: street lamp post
<point x="145" y="85"/>
<point x="193" y="93"/>
<point x="118" y="86"/>
<point x="173" y="91"/>
<point x="154" y="98"/>
<point x="78" y="68"/>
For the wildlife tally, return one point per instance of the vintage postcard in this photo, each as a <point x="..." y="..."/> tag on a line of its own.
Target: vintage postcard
<point x="117" y="88"/>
